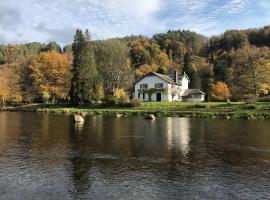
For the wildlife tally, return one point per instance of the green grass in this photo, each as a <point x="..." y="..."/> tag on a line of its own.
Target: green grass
<point x="257" y="110"/>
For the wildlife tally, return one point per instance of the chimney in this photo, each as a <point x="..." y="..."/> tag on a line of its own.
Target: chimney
<point x="175" y="76"/>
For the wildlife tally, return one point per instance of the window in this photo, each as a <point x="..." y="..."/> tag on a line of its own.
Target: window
<point x="197" y="96"/>
<point x="159" y="85"/>
<point x="139" y="95"/>
<point x="143" y="94"/>
<point x="143" y="86"/>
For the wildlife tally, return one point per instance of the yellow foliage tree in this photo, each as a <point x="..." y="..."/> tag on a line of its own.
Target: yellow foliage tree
<point x="265" y="89"/>
<point x="144" y="69"/>
<point x="51" y="72"/>
<point x="220" y="91"/>
<point x="9" y="84"/>
<point x="121" y="96"/>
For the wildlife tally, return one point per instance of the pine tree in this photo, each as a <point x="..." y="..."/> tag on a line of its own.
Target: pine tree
<point x="188" y="69"/>
<point x="84" y="70"/>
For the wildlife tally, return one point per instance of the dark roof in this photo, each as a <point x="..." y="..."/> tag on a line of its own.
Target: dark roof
<point x="162" y="76"/>
<point x="192" y="91"/>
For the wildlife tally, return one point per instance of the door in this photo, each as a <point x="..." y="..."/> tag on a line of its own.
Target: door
<point x="158" y="98"/>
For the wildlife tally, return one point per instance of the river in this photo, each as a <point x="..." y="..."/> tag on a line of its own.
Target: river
<point x="48" y="156"/>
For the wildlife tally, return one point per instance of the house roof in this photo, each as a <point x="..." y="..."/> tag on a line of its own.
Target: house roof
<point x="162" y="76"/>
<point x="192" y="91"/>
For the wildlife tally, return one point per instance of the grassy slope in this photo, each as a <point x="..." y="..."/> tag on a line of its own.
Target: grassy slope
<point x="205" y="110"/>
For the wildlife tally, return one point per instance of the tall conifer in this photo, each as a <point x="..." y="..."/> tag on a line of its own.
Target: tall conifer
<point x="84" y="70"/>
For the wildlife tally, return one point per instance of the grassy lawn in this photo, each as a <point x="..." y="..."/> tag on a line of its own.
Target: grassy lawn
<point x="257" y="110"/>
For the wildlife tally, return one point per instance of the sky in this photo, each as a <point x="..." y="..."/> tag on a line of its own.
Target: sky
<point x="23" y="21"/>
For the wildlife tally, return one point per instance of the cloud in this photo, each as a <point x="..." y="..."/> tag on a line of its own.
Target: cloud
<point x="56" y="20"/>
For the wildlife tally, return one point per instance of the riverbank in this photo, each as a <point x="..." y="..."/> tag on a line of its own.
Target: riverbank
<point x="235" y="110"/>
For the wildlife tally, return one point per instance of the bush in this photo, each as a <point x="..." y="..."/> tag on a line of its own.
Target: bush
<point x="135" y="103"/>
<point x="197" y="105"/>
<point x="121" y="96"/>
<point x="110" y="101"/>
<point x="250" y="107"/>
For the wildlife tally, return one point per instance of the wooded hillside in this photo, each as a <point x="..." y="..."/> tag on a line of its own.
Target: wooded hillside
<point x="90" y="71"/>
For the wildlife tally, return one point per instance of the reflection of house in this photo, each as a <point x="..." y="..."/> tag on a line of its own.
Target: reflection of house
<point x="178" y="134"/>
<point x="158" y="87"/>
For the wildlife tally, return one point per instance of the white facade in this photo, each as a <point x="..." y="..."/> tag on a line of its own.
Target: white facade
<point x="195" y="98"/>
<point x="163" y="88"/>
<point x="150" y="81"/>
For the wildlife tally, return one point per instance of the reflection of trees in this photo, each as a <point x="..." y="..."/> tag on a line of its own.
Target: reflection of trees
<point x="80" y="162"/>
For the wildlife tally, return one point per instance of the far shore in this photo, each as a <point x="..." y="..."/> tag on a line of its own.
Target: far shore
<point x="233" y="110"/>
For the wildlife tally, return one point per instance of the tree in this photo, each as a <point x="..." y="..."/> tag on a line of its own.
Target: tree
<point x="190" y="71"/>
<point x="51" y="74"/>
<point x="220" y="91"/>
<point x="53" y="46"/>
<point x="84" y="71"/>
<point x="9" y="84"/>
<point x="234" y="39"/>
<point x="113" y="65"/>
<point x="251" y="69"/>
<point x="143" y="70"/>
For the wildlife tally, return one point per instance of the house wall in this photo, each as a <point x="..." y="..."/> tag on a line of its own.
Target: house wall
<point x="178" y="96"/>
<point x="151" y="81"/>
<point x="196" y="100"/>
<point x="184" y="83"/>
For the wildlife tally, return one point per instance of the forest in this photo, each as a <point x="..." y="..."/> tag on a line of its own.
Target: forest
<point x="232" y="66"/>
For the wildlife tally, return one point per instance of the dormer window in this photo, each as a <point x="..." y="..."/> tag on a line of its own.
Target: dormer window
<point x="143" y="86"/>
<point x="159" y="85"/>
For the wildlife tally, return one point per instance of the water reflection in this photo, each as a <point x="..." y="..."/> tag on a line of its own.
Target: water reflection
<point x="51" y="157"/>
<point x="178" y="134"/>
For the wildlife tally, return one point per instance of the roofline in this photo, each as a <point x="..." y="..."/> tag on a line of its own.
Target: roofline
<point x="196" y="92"/>
<point x="154" y="74"/>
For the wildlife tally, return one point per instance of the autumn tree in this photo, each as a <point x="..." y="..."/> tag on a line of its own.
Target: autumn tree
<point x="143" y="70"/>
<point x="220" y="91"/>
<point x="9" y="84"/>
<point x="113" y="65"/>
<point x="251" y="69"/>
<point x="51" y="74"/>
<point x="84" y="72"/>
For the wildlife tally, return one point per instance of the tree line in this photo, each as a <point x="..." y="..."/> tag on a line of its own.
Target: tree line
<point x="235" y="65"/>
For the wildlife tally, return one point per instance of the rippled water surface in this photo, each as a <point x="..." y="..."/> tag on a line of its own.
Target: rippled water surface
<point x="50" y="157"/>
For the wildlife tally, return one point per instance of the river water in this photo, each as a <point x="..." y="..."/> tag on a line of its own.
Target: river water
<point x="48" y="156"/>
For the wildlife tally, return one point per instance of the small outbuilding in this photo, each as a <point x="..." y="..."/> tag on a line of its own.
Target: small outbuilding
<point x="193" y="95"/>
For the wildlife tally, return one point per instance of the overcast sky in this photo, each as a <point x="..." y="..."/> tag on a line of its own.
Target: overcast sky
<point x="56" y="20"/>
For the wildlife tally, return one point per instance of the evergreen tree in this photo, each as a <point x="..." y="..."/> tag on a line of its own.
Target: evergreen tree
<point x="84" y="70"/>
<point x="188" y="69"/>
<point x="53" y="46"/>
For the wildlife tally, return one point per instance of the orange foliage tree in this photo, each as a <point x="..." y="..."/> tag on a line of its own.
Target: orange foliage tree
<point x="51" y="72"/>
<point x="220" y="91"/>
<point x="9" y="84"/>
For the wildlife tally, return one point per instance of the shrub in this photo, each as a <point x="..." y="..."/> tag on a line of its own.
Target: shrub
<point x="135" y="103"/>
<point x="110" y="101"/>
<point x="197" y="105"/>
<point x="250" y="107"/>
<point x="121" y="96"/>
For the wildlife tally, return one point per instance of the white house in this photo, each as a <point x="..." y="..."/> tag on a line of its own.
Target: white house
<point x="158" y="87"/>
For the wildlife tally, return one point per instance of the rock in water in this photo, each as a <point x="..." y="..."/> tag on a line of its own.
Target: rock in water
<point x="150" y="117"/>
<point x="119" y="115"/>
<point x="78" y="118"/>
